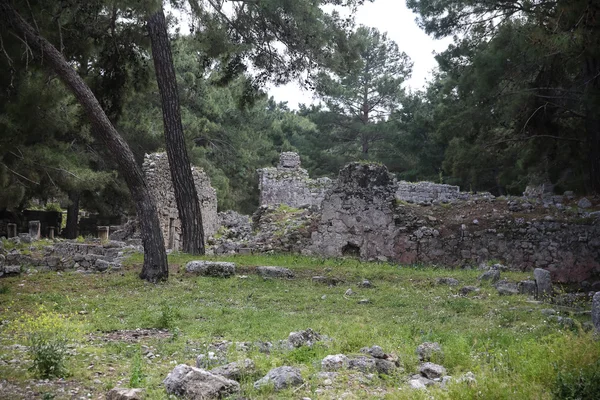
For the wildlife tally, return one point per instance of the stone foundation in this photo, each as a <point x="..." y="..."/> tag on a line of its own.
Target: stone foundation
<point x="158" y="177"/>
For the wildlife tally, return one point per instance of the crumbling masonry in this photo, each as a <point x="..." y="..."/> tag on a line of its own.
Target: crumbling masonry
<point x="158" y="177"/>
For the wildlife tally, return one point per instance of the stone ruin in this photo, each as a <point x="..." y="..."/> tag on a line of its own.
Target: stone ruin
<point x="368" y="214"/>
<point x="289" y="184"/>
<point x="158" y="177"/>
<point x="356" y="215"/>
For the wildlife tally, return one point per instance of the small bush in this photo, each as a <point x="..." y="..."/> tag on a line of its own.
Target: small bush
<point x="582" y="384"/>
<point x="53" y="207"/>
<point x="47" y="335"/>
<point x="167" y="317"/>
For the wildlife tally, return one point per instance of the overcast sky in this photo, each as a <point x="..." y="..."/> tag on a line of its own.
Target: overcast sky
<point x="389" y="16"/>
<point x="393" y="17"/>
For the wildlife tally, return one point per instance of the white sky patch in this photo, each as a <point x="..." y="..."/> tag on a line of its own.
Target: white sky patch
<point x="391" y="16"/>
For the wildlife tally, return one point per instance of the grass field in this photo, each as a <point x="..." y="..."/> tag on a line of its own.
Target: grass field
<point x="506" y="341"/>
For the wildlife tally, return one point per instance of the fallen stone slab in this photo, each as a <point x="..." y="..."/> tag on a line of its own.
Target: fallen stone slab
<point x="198" y="384"/>
<point x="527" y="287"/>
<point x="465" y="290"/>
<point x="543" y="282"/>
<point x="281" y="378"/>
<point x="218" y="269"/>
<point x="125" y="394"/>
<point x="507" y="288"/>
<point x="275" y="272"/>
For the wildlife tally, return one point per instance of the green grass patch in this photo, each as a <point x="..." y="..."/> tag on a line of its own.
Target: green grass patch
<point x="504" y="340"/>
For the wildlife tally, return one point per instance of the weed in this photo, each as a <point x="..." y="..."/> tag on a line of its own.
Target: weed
<point x="137" y="377"/>
<point x="4" y="289"/>
<point x="167" y="317"/>
<point x="582" y="384"/>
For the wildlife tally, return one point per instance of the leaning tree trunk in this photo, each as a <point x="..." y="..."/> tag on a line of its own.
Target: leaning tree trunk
<point x="179" y="163"/>
<point x="155" y="257"/>
<point x="72" y="215"/>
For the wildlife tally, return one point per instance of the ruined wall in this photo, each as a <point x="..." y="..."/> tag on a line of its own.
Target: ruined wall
<point x="357" y="217"/>
<point x="429" y="193"/>
<point x="289" y="184"/>
<point x="158" y="176"/>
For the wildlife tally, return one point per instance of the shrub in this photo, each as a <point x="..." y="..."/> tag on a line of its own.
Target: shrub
<point x="167" y="317"/>
<point x="53" y="207"/>
<point x="47" y="335"/>
<point x="137" y="378"/>
<point x="582" y="384"/>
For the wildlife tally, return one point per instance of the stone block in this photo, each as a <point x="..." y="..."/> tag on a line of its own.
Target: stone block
<point x="211" y="268"/>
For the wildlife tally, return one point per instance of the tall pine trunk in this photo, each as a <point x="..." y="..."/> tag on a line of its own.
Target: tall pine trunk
<point x="155" y="257"/>
<point x="72" y="215"/>
<point x="186" y="196"/>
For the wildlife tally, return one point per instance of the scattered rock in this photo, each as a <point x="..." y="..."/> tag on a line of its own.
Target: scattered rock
<point x="543" y="283"/>
<point x="124" y="394"/>
<point x="281" y="378"/>
<point x="211" y="268"/>
<point x="364" y="301"/>
<point x="465" y="290"/>
<point x="491" y="275"/>
<point x="468" y="378"/>
<point x="326" y="280"/>
<point x="417" y="384"/>
<point x="374" y="351"/>
<point x="334" y="362"/>
<point x="527" y="287"/>
<point x="307" y="337"/>
<point x="447" y="281"/>
<point x="362" y="363"/>
<point x="596" y="311"/>
<point x="349" y="292"/>
<point x="584" y="203"/>
<point x="12" y="269"/>
<point x="365" y="284"/>
<point x="505" y="288"/>
<point x="234" y="370"/>
<point x="275" y="272"/>
<point x="425" y="351"/>
<point x="198" y="384"/>
<point x="432" y="371"/>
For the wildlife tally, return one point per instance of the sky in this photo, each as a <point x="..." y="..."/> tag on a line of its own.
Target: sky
<point x="393" y="17"/>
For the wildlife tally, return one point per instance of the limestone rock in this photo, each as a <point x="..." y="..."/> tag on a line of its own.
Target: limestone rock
<point x="596" y="311"/>
<point x="124" y="394"/>
<point x="374" y="351"/>
<point x="543" y="283"/>
<point x="303" y="338"/>
<point x="234" y="370"/>
<point x="275" y="272"/>
<point x="198" y="384"/>
<point x="584" y="203"/>
<point x="2" y="258"/>
<point x="362" y="363"/>
<point x="432" y="371"/>
<point x="12" y="269"/>
<point x="281" y="378"/>
<point x="417" y="384"/>
<point x="465" y="290"/>
<point x="334" y="362"/>
<point x="365" y="284"/>
<point x="506" y="288"/>
<point x="447" y="281"/>
<point x="491" y="275"/>
<point x="425" y="351"/>
<point x="527" y="287"/>
<point x="211" y="268"/>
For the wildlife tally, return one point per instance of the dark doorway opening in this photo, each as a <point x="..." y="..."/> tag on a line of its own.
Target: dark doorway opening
<point x="351" y="250"/>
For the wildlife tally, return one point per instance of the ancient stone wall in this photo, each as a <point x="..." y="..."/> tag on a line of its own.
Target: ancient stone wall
<point x="289" y="184"/>
<point x="357" y="217"/>
<point x="429" y="193"/>
<point x="158" y="176"/>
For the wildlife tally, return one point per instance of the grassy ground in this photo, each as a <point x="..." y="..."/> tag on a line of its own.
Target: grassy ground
<point x="504" y="340"/>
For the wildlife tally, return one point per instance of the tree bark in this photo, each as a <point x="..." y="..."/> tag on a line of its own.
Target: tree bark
<point x="72" y="215"/>
<point x="155" y="257"/>
<point x="186" y="196"/>
<point x="592" y="121"/>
